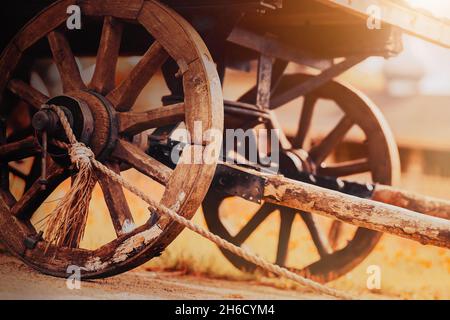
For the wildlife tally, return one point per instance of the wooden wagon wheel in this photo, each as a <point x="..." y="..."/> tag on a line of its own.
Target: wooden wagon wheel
<point x="381" y="160"/>
<point x="101" y="117"/>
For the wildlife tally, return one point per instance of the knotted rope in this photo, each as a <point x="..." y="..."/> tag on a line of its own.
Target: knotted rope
<point x="84" y="159"/>
<point x="67" y="223"/>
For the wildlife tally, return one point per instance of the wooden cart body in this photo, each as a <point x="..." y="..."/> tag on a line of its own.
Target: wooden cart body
<point x="342" y="25"/>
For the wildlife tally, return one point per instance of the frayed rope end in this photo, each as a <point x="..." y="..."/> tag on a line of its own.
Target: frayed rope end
<point x="68" y="221"/>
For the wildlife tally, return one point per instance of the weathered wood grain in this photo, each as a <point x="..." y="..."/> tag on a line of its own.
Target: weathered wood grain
<point x="424" y="204"/>
<point x="360" y="212"/>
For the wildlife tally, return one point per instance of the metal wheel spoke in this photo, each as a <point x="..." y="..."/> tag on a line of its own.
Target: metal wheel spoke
<point x="262" y="213"/>
<point x="320" y="240"/>
<point x="320" y="152"/>
<point x="103" y="80"/>
<point x="132" y="123"/>
<point x="142" y="162"/>
<point x="287" y="218"/>
<point x="27" y="93"/>
<point x="65" y="61"/>
<point x="345" y="168"/>
<point x="19" y="150"/>
<point x="35" y="195"/>
<point x="305" y="121"/>
<point x="125" y="94"/>
<point x="116" y="202"/>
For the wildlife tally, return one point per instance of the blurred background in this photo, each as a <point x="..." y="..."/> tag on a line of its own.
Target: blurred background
<point x="413" y="92"/>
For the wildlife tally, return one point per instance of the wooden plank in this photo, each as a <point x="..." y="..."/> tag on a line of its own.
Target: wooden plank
<point x="424" y="204"/>
<point x="409" y="20"/>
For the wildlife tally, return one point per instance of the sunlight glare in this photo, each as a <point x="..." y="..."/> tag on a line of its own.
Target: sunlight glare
<point x="437" y="7"/>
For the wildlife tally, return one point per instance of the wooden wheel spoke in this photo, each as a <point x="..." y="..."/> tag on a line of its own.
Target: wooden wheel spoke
<point x="19" y="150"/>
<point x="320" y="152"/>
<point x="335" y="233"/>
<point x="263" y="212"/>
<point x="287" y="218"/>
<point x="103" y="80"/>
<point x="278" y="131"/>
<point x="319" y="238"/>
<point x="8" y="197"/>
<point x="132" y="123"/>
<point x="305" y="121"/>
<point x="34" y="173"/>
<point x="20" y="134"/>
<point x="18" y="174"/>
<point x="117" y="204"/>
<point x="125" y="94"/>
<point x="345" y="168"/>
<point x="65" y="61"/>
<point x="35" y="195"/>
<point x="5" y="193"/>
<point x="27" y="93"/>
<point x="142" y="162"/>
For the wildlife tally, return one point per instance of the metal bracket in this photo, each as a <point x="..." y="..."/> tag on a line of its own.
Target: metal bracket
<point x="238" y="183"/>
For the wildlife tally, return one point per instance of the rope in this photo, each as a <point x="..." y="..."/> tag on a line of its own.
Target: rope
<point x="67" y="223"/>
<point x="82" y="154"/>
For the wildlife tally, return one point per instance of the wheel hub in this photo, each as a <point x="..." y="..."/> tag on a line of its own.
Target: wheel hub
<point x="294" y="161"/>
<point x="91" y="117"/>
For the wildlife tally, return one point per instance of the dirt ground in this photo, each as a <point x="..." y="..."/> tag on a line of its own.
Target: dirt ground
<point x="18" y="281"/>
